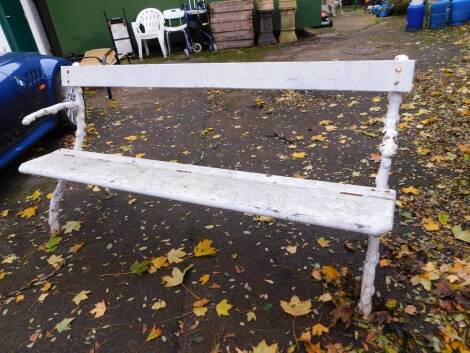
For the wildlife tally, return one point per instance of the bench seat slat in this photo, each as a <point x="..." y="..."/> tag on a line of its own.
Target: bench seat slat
<point x="371" y="75"/>
<point x="348" y="207"/>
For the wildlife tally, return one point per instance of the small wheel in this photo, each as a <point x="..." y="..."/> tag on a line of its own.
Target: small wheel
<point x="197" y="47"/>
<point x="186" y="52"/>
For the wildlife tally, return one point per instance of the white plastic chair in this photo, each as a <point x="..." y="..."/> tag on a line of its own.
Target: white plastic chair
<point x="176" y="15"/>
<point x="149" y="24"/>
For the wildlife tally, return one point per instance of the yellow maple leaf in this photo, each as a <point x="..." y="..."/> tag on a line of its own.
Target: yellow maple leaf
<point x="319" y="138"/>
<point x="319" y="329"/>
<point x="296" y="307"/>
<point x="324" y="243"/>
<point x="99" y="309"/>
<point x="130" y="138"/>
<point x="176" y="277"/>
<point x="391" y="303"/>
<point x="410" y="190"/>
<point x="19" y="298"/>
<point x="140" y="155"/>
<point x="250" y="316"/>
<point x="28" y="212"/>
<point x="205" y="248"/>
<point x="263" y="347"/>
<point x="34" y="196"/>
<point x="9" y="259"/>
<point x="430" y="225"/>
<point x="55" y="261"/>
<point x="223" y="308"/>
<point x="4" y="213"/>
<point x="298" y="155"/>
<point x="418" y="279"/>
<point x="159" y="304"/>
<point x="175" y="256"/>
<point x="330" y="273"/>
<point x="154" y="333"/>
<point x="46" y="286"/>
<point x="81" y="296"/>
<point x="3" y="274"/>
<point x="157" y="263"/>
<point x="199" y="307"/>
<point x="204" y="279"/>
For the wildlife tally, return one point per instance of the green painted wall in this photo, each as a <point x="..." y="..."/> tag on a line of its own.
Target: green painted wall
<point x="80" y="24"/>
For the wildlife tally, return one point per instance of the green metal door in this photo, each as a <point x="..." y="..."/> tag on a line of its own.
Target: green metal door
<point x="16" y="27"/>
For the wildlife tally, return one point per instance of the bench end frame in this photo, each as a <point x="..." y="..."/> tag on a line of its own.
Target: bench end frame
<point x="388" y="149"/>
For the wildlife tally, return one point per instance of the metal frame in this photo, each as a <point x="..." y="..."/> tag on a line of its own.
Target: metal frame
<point x="393" y="76"/>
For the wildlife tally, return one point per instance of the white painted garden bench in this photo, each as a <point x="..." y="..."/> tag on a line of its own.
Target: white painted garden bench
<point x="368" y="210"/>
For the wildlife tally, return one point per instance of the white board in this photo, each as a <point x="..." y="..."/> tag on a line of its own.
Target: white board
<point x="375" y="76"/>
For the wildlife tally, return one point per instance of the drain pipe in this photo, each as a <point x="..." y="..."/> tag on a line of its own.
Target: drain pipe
<point x="37" y="27"/>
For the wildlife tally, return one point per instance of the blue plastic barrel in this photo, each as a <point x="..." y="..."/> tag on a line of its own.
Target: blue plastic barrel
<point x="414" y="17"/>
<point x="459" y="12"/>
<point x="439" y="14"/>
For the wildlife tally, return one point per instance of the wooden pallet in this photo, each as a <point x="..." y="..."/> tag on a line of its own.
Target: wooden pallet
<point x="232" y="23"/>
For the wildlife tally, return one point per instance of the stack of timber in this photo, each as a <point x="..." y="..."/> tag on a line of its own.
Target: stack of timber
<point x="232" y="23"/>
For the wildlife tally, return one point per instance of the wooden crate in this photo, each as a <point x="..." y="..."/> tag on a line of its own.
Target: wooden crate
<point x="232" y="23"/>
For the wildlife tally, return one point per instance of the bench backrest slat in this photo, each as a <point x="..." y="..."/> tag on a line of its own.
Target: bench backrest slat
<point x="373" y="76"/>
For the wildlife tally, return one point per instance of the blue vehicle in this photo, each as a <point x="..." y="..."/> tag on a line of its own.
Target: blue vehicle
<point x="28" y="82"/>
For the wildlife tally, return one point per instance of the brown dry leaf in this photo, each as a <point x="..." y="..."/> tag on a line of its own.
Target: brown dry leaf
<point x="316" y="274"/>
<point x="410" y="309"/>
<point x="55" y="261"/>
<point x="330" y="273"/>
<point x="319" y="329"/>
<point x="325" y="297"/>
<point x="176" y="277"/>
<point x="99" y="309"/>
<point x="81" y="296"/>
<point x="291" y="249"/>
<point x="154" y="333"/>
<point x="175" y="256"/>
<point x="199" y="307"/>
<point x="381" y="317"/>
<point x="159" y="304"/>
<point x="342" y="313"/>
<point x="75" y="248"/>
<point x="296" y="307"/>
<point x="430" y="225"/>
<point x="263" y="347"/>
<point x="384" y="263"/>
<point x="306" y="339"/>
<point x="464" y="147"/>
<point x="335" y="348"/>
<point x="410" y="190"/>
